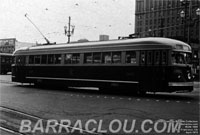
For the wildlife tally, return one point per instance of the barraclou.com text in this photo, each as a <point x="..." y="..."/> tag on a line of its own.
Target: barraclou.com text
<point x="92" y="125"/>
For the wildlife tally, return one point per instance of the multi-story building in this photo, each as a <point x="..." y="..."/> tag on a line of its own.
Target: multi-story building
<point x="162" y="18"/>
<point x="176" y="19"/>
<point x="9" y="45"/>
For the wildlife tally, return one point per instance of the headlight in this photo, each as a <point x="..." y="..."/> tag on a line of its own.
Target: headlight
<point x="189" y="76"/>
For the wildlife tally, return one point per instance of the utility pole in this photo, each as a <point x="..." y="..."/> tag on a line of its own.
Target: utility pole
<point x="69" y="32"/>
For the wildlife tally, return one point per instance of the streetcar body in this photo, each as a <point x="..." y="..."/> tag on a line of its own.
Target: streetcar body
<point x="144" y="65"/>
<point x="6" y="60"/>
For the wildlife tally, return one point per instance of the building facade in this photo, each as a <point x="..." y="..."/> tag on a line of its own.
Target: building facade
<point x="9" y="45"/>
<point x="163" y="18"/>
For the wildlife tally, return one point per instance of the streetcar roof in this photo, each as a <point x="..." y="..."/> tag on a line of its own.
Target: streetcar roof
<point x="156" y="41"/>
<point x="6" y="54"/>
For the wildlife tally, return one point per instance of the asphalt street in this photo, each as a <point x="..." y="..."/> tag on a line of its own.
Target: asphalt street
<point x="105" y="108"/>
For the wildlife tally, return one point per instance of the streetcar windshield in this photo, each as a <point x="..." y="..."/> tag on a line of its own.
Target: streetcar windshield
<point x="181" y="58"/>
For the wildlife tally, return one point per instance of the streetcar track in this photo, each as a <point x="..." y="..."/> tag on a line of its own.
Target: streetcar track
<point x="11" y="131"/>
<point x="36" y="118"/>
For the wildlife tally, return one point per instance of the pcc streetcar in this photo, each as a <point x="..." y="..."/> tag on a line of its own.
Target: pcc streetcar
<point x="138" y="65"/>
<point x="6" y="60"/>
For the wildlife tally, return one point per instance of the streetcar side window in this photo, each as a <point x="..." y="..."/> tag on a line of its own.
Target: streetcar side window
<point x="7" y="59"/>
<point x="106" y="57"/>
<point x="142" y="57"/>
<point x="57" y="58"/>
<point x="37" y="59"/>
<point x="88" y="58"/>
<point x="116" y="57"/>
<point x="75" y="58"/>
<point x="68" y="58"/>
<point x="131" y="57"/>
<point x="44" y="59"/>
<point x="31" y="59"/>
<point x="20" y="60"/>
<point x="157" y="58"/>
<point x="3" y="59"/>
<point x="97" y="58"/>
<point x="164" y="58"/>
<point x="149" y="57"/>
<point x="50" y="59"/>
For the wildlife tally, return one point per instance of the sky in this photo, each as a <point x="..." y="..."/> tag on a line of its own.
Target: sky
<point x="91" y="18"/>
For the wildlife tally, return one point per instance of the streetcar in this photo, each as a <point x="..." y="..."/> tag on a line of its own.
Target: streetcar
<point x="138" y="65"/>
<point x="6" y="60"/>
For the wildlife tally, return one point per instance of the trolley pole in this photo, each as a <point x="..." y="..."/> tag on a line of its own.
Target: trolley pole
<point x="69" y="32"/>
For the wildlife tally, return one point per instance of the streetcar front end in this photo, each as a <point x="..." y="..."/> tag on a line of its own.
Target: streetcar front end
<point x="181" y="74"/>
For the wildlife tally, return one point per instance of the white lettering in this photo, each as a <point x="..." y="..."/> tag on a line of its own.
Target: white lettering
<point x="132" y="126"/>
<point x="87" y="125"/>
<point x="52" y="126"/>
<point x="163" y="128"/>
<point x="100" y="127"/>
<point x="63" y="124"/>
<point x="119" y="126"/>
<point x="143" y="126"/>
<point x="38" y="126"/>
<point x="175" y="127"/>
<point x="25" y="126"/>
<point x="77" y="126"/>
